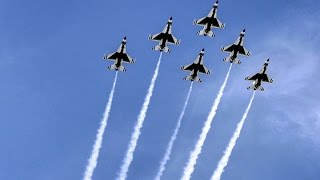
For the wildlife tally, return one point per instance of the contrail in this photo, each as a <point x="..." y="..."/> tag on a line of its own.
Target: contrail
<point x="166" y="157"/>
<point x="92" y="162"/>
<point x="137" y="129"/>
<point x="225" y="158"/>
<point x="189" y="168"/>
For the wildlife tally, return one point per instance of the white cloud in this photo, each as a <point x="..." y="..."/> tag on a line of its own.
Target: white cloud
<point x="295" y="60"/>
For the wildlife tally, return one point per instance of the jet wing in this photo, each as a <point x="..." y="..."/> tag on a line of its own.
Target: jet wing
<point x="244" y="51"/>
<point x="266" y="78"/>
<point x="202" y="21"/>
<point x="128" y="59"/>
<point x="189" y="67"/>
<point x="229" y="48"/>
<point x="157" y="37"/>
<point x="253" y="78"/>
<point x="217" y="23"/>
<point x="172" y="39"/>
<point x="204" y="70"/>
<point x="112" y="56"/>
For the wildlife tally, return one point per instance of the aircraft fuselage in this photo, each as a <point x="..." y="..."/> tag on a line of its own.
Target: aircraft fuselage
<point x="210" y="21"/>
<point x="118" y="62"/>
<point x="196" y="69"/>
<point x="237" y="49"/>
<point x="194" y="74"/>
<point x="259" y="79"/>
<point x="264" y="69"/>
<point x="165" y="37"/>
<point x="257" y="83"/>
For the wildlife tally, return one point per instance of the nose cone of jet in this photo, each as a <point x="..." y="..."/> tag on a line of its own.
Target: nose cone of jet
<point x="216" y="3"/>
<point x="202" y="52"/>
<point x="243" y="32"/>
<point x="170" y="19"/>
<point x="124" y="40"/>
<point x="267" y="61"/>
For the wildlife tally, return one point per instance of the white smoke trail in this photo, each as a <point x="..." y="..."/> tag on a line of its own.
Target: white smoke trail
<point x="227" y="153"/>
<point x="92" y="162"/>
<point x="166" y="157"/>
<point x="137" y="129"/>
<point x="189" y="168"/>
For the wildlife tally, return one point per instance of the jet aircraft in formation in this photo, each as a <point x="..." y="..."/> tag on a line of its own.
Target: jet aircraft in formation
<point x="235" y="49"/>
<point x="195" y="68"/>
<point x="259" y="78"/>
<point x="210" y="21"/>
<point x="164" y="37"/>
<point x="120" y="56"/>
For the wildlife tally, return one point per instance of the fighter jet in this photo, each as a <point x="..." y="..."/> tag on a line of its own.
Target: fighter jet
<point x="235" y="49"/>
<point x="209" y="22"/>
<point x="195" y="68"/>
<point x="119" y="57"/>
<point x="259" y="78"/>
<point x="164" y="37"/>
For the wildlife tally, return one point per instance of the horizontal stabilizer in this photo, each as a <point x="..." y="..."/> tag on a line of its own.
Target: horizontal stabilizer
<point x="158" y="48"/>
<point x="117" y="68"/>
<point x="190" y="78"/>
<point x="253" y="87"/>
<point x="206" y="33"/>
<point x="234" y="61"/>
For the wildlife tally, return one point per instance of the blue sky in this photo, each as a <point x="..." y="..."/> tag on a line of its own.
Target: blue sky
<point x="54" y="87"/>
